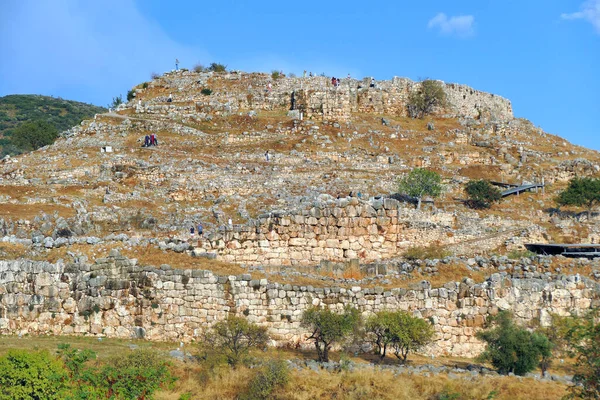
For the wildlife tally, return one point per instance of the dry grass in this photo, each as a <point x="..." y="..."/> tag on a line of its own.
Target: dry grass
<point x="29" y="211"/>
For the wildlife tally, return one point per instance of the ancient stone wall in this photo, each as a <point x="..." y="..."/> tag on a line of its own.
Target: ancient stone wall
<point x="316" y="96"/>
<point x="338" y="230"/>
<point x="116" y="298"/>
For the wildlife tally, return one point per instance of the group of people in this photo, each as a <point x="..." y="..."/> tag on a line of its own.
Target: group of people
<point x="200" y="231"/>
<point x="150" y="140"/>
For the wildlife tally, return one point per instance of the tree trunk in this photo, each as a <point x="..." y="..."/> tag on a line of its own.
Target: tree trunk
<point x="325" y="353"/>
<point x="418" y="203"/>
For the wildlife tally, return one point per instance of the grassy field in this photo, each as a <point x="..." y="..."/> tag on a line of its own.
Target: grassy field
<point x="199" y="380"/>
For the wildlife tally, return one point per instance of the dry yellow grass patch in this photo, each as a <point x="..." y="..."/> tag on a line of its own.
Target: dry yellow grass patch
<point x="29" y="211"/>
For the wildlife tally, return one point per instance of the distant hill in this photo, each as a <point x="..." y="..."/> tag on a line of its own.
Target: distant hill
<point x="63" y="114"/>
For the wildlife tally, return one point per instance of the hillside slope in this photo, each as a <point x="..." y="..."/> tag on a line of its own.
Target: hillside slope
<point x="63" y="114"/>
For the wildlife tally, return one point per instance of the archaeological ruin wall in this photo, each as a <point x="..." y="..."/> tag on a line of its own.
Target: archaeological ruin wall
<point x="114" y="297"/>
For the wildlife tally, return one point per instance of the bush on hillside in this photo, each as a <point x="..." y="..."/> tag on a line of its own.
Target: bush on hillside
<point x="328" y="327"/>
<point x="32" y="375"/>
<point x="33" y="135"/>
<point x="512" y="349"/>
<point x="199" y="68"/>
<point x="273" y="375"/>
<point x="429" y="96"/>
<point x="216" y="67"/>
<point x="581" y="192"/>
<point x="420" y="182"/>
<point x="116" y="101"/>
<point x="276" y="74"/>
<point x="145" y="85"/>
<point x="206" y="91"/>
<point x="426" y="253"/>
<point x="482" y="194"/>
<point x="235" y="337"/>
<point x="130" y="95"/>
<point x="399" y="331"/>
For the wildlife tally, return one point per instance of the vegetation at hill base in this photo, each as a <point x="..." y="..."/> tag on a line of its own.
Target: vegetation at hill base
<point x="421" y="182"/>
<point x="482" y="194"/>
<point x="42" y="112"/>
<point x="581" y="192"/>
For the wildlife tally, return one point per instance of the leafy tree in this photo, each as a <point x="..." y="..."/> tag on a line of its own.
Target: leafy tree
<point x="199" y="68"/>
<point x="74" y="359"/>
<point x="116" y="101"/>
<point x="235" y="336"/>
<point x="400" y="331"/>
<point x="482" y="194"/>
<point x="130" y="95"/>
<point x="582" y="335"/>
<point x="26" y="375"/>
<point x="216" y="67"/>
<point x="426" y="98"/>
<point x="420" y="182"/>
<point x="33" y="135"/>
<point x="328" y="327"/>
<point x="581" y="192"/>
<point x="511" y="348"/>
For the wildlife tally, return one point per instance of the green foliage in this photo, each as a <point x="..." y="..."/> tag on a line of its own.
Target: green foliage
<point x="581" y="336"/>
<point x="216" y="67"/>
<point x="33" y="135"/>
<point x="74" y="359"/>
<point x="399" y="331"/>
<point x="276" y="74"/>
<point x="511" y="348"/>
<point x="518" y="254"/>
<point x="116" y="101"/>
<point x="206" y="91"/>
<point x="426" y="99"/>
<point x="235" y="337"/>
<point x="130" y="95"/>
<point x="271" y="376"/>
<point x="328" y="327"/>
<point x="145" y="85"/>
<point x="482" y="194"/>
<point x="581" y="192"/>
<point x="28" y="375"/>
<point x="420" y="182"/>
<point x="199" y="68"/>
<point x="16" y="110"/>
<point x="426" y="253"/>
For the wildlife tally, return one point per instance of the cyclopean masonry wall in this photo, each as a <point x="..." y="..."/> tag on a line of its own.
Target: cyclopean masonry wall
<point x="344" y="229"/>
<point x="116" y="298"/>
<point x="315" y="96"/>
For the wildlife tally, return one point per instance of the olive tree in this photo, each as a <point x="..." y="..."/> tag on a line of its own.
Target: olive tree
<point x="429" y="95"/>
<point x="235" y="337"/>
<point x="513" y="349"/>
<point x="581" y="192"/>
<point x="328" y="327"/>
<point x="482" y="194"/>
<point x="399" y="331"/>
<point x="420" y="182"/>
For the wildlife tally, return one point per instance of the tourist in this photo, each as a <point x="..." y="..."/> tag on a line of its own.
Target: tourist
<point x="192" y="232"/>
<point x="333" y="80"/>
<point x="304" y="74"/>
<point x="147" y="141"/>
<point x="230" y="223"/>
<point x="337" y="82"/>
<point x="176" y="64"/>
<point x="267" y="156"/>
<point x="170" y="99"/>
<point x="200" y="230"/>
<point x="349" y="76"/>
<point x="154" y="140"/>
<point x="372" y="83"/>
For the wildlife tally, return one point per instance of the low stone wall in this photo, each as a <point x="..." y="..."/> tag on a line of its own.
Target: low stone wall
<point x="341" y="230"/>
<point x="116" y="298"/>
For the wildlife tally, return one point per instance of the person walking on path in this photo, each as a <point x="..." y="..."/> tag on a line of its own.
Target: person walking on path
<point x="192" y="232"/>
<point x="267" y="156"/>
<point x="176" y="64"/>
<point x="200" y="230"/>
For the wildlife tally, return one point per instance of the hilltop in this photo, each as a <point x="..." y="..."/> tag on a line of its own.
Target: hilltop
<point x="17" y="109"/>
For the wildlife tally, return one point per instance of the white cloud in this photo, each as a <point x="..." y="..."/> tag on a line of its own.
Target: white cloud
<point x="460" y="25"/>
<point x="89" y="49"/>
<point x="590" y="11"/>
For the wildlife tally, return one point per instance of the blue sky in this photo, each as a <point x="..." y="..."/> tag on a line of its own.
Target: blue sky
<point x="543" y="55"/>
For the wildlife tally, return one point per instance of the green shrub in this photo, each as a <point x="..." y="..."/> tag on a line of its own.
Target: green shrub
<point x="581" y="192"/>
<point x="511" y="348"/>
<point x="130" y="95"/>
<point x="420" y="182"/>
<point x="206" y="91"/>
<point x="400" y="331"/>
<point x="33" y="135"/>
<point x="74" y="359"/>
<point x="482" y="194"/>
<point x="273" y="375"/>
<point x="145" y="85"/>
<point x="199" y="68"/>
<point x="275" y="74"/>
<point x="518" y="254"/>
<point x="426" y="253"/>
<point x="116" y="101"/>
<point x="235" y="337"/>
<point x="328" y="327"/>
<point x="428" y="97"/>
<point x="216" y="67"/>
<point x="28" y="375"/>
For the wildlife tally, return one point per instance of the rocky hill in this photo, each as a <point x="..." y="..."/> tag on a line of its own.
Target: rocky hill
<point x="294" y="182"/>
<point x="63" y="114"/>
